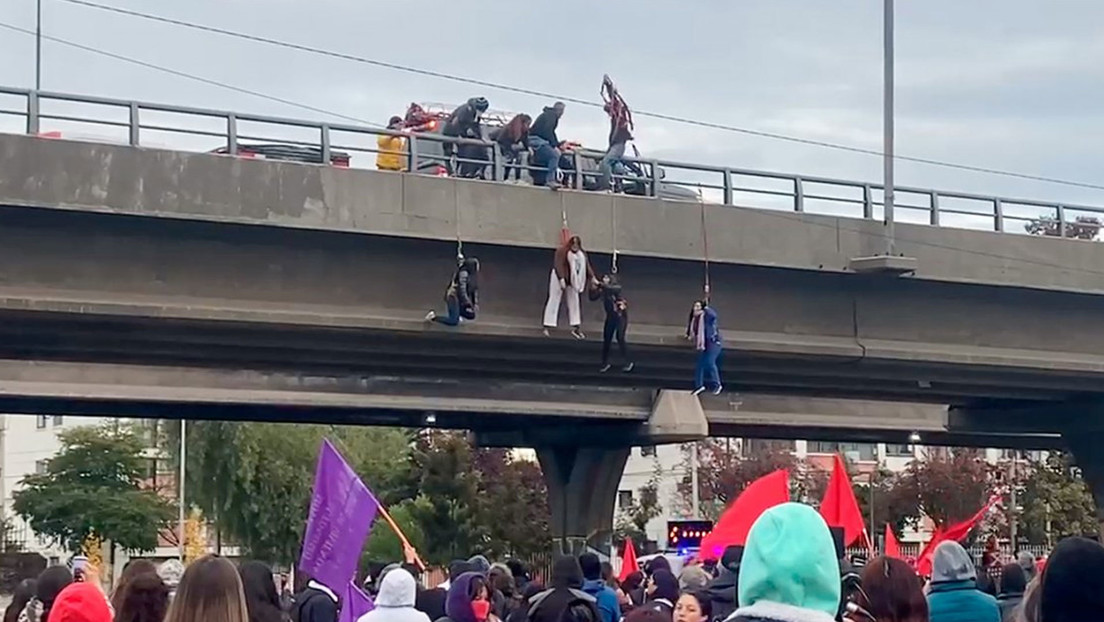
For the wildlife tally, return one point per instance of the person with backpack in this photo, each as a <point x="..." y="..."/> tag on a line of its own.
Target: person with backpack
<point x="565" y="601"/>
<point x="462" y="294"/>
<point x="605" y="598"/>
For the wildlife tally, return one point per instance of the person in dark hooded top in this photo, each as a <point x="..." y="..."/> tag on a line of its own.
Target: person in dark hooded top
<point x="722" y="590"/>
<point x="1013" y="584"/>
<point x="461" y="300"/>
<point x="640" y="595"/>
<point x="469" y="600"/>
<point x="565" y="594"/>
<point x="465" y="122"/>
<point x="663" y="591"/>
<point x="1073" y="582"/>
<point x="546" y="145"/>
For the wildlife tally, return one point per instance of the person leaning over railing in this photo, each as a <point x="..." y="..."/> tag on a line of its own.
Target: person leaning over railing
<point x="391" y="154"/>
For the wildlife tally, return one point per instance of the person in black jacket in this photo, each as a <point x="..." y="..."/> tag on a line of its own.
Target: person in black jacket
<point x="566" y="599"/>
<point x="617" y="320"/>
<point x="465" y="122"/>
<point x="462" y="295"/>
<point x="546" y="145"/>
<point x="317" y="603"/>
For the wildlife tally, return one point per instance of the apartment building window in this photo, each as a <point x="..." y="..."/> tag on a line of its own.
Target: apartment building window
<point x="648" y="450"/>
<point x="865" y="452"/>
<point x="624" y="498"/>
<point x="898" y="450"/>
<point x="58" y="420"/>
<point x="40" y="421"/>
<point x="40" y="466"/>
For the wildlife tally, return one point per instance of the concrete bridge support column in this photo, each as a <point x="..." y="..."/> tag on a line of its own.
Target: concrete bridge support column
<point x="1088" y="453"/>
<point x="582" y="490"/>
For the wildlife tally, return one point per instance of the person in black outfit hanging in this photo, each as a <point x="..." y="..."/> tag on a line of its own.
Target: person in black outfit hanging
<point x="617" y="320"/>
<point x="462" y="295"/>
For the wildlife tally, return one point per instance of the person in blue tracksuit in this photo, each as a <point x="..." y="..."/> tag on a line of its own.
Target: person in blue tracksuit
<point x="702" y="330"/>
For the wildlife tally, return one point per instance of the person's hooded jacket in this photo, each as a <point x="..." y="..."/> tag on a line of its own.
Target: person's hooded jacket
<point x="953" y="595"/>
<point x="464" y="121"/>
<point x="1073" y="582"/>
<point x="567" y="584"/>
<point x="1012" y="588"/>
<point x="789" y="571"/>
<point x="722" y="589"/>
<point x="80" y="602"/>
<point x="458" y="605"/>
<point x="605" y="599"/>
<point x="395" y="600"/>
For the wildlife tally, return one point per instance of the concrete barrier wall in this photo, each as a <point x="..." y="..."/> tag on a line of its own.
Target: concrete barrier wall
<point x="146" y="182"/>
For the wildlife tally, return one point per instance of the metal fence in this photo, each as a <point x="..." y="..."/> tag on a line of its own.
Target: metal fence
<point x="196" y="129"/>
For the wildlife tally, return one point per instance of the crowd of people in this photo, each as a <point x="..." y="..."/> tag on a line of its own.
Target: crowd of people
<point x="520" y="140"/>
<point x="569" y="278"/>
<point x="790" y="570"/>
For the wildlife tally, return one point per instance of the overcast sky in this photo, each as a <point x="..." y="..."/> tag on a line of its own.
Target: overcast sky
<point x="1009" y="84"/>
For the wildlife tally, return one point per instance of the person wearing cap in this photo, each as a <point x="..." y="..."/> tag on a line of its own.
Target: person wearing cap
<point x="391" y="148"/>
<point x="789" y="571"/>
<point x="954" y="595"/>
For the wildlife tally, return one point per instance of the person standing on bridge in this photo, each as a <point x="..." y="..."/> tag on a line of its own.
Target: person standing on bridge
<point x="571" y="275"/>
<point x="621" y="127"/>
<point x="391" y="149"/>
<point x="702" y="330"/>
<point x="462" y="294"/>
<point x="464" y="122"/>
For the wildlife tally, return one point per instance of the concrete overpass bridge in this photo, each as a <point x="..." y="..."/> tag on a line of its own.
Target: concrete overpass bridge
<point x="164" y="283"/>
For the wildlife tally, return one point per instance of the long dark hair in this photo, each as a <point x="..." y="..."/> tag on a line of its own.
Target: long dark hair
<point x="144" y="598"/>
<point x="24" y="592"/>
<point x="50" y="583"/>
<point x="518" y="126"/>
<point x="892" y="591"/>
<point x="133" y="569"/>
<point x="261" y="597"/>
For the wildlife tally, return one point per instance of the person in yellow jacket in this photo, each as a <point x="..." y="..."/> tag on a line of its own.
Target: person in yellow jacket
<point x="391" y="155"/>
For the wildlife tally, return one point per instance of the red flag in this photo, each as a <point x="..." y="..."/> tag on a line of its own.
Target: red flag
<point x="628" y="561"/>
<point x="892" y="548"/>
<point x="839" y="507"/>
<point x="733" y="526"/>
<point x="956" y="532"/>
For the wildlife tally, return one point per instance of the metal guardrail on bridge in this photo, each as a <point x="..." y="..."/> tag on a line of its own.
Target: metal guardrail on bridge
<point x="225" y="132"/>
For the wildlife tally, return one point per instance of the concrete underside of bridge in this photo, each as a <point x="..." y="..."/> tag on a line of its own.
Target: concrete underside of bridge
<point x="123" y="268"/>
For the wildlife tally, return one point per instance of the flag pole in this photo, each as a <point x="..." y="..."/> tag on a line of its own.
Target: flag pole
<point x="400" y="534"/>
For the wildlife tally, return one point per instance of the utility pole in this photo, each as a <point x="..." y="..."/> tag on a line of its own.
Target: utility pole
<point x="38" y="45"/>
<point x="695" y="498"/>
<point x="888" y="128"/>
<point x="1014" y="514"/>
<point x="180" y="481"/>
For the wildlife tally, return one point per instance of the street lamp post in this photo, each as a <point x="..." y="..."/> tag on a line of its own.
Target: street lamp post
<point x="180" y="482"/>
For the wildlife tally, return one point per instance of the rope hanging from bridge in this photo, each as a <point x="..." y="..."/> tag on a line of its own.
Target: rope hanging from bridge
<point x="456" y="219"/>
<point x="613" y="234"/>
<point x="705" y="247"/>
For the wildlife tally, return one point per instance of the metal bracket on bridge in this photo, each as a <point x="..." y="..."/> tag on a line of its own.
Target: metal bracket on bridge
<point x="677" y="417"/>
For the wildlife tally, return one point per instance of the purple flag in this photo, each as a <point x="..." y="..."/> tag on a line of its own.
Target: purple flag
<point x="342" y="510"/>
<point x="355" y="604"/>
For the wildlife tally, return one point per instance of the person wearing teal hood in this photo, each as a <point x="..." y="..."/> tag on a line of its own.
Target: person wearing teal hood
<point x="789" y="571"/>
<point x="953" y="595"/>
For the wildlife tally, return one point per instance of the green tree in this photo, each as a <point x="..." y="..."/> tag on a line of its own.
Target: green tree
<point x="1056" y="502"/>
<point x="725" y="468"/>
<point x="632" y="521"/>
<point x="95" y="485"/>
<point x="254" y="479"/>
<point x="384" y="544"/>
<point x="948" y="486"/>
<point x="512" y="502"/>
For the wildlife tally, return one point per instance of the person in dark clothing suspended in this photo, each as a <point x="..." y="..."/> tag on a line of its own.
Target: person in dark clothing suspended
<point x="462" y="295"/>
<point x="617" y="320"/>
<point x="512" y="140"/>
<point x="464" y="122"/>
<point x="546" y="145"/>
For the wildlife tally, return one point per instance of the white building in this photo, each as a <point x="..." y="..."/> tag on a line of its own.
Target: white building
<point x="668" y="462"/>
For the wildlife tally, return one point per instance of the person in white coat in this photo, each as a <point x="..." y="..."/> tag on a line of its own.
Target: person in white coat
<point x="395" y="600"/>
<point x="571" y="275"/>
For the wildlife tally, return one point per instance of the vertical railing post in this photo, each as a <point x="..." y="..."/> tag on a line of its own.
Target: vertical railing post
<point x="799" y="195"/>
<point x="998" y="215"/>
<point x="412" y="153"/>
<point x="1061" y="209"/>
<point x="934" y="215"/>
<point x="727" y="176"/>
<point x="135" y="125"/>
<point x="868" y="202"/>
<point x="655" y="179"/>
<point x="496" y="164"/>
<point x="324" y="137"/>
<point x="232" y="134"/>
<point x="33" y="103"/>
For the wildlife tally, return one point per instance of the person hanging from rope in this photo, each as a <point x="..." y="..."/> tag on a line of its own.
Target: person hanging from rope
<point x="701" y="328"/>
<point x="462" y="294"/>
<point x="621" y="127"/>
<point x="617" y="320"/>
<point x="546" y="146"/>
<point x="464" y="122"/>
<point x="570" y="276"/>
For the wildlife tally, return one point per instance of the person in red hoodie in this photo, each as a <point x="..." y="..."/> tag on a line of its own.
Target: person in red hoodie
<point x="80" y="602"/>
